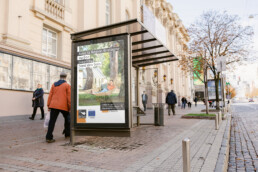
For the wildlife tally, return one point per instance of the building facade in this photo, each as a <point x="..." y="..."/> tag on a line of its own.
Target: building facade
<point x="35" y="44"/>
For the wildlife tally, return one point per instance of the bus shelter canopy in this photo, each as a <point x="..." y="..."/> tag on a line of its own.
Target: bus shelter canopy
<point x="146" y="48"/>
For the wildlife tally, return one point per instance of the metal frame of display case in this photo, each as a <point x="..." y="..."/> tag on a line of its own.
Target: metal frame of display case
<point x="144" y="49"/>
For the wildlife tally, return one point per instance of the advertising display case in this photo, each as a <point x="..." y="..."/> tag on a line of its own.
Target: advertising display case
<point x="105" y="77"/>
<point x="101" y="78"/>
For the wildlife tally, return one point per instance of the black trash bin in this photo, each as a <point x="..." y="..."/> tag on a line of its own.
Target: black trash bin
<point x="159" y="114"/>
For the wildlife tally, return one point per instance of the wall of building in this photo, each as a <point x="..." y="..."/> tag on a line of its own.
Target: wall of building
<point x="21" y="30"/>
<point x="18" y="103"/>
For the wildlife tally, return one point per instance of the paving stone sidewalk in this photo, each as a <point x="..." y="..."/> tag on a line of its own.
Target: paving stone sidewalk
<point x="244" y="140"/>
<point x="151" y="148"/>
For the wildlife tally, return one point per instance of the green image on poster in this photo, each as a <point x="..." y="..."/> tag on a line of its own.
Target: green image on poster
<point x="198" y="73"/>
<point x="100" y="74"/>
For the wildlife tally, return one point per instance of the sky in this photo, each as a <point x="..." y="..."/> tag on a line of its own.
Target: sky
<point x="189" y="10"/>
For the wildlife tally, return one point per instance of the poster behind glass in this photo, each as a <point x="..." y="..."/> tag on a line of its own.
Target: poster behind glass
<point x="101" y="82"/>
<point x="212" y="90"/>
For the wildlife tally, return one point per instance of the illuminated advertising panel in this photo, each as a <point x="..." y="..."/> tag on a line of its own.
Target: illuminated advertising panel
<point x="101" y="81"/>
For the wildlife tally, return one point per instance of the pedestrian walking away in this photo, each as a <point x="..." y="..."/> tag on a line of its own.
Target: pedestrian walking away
<point x="189" y="104"/>
<point x="144" y="100"/>
<point x="184" y="101"/>
<point x="195" y="100"/>
<point x="171" y="100"/>
<point x="59" y="100"/>
<point x="38" y="101"/>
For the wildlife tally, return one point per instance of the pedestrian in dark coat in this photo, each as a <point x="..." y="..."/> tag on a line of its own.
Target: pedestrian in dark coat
<point x="38" y="101"/>
<point x="195" y="100"/>
<point x="184" y="101"/>
<point x="144" y="100"/>
<point x="171" y="100"/>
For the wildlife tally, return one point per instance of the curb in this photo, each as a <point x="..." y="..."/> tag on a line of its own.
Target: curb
<point x="222" y="162"/>
<point x="198" y="117"/>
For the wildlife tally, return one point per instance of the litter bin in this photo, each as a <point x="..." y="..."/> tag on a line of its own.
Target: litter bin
<point x="158" y="114"/>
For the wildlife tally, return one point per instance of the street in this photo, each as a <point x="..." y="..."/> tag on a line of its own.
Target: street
<point x="150" y="148"/>
<point x="244" y="137"/>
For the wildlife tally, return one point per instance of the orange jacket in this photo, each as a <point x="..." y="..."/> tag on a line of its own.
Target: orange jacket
<point x="60" y="97"/>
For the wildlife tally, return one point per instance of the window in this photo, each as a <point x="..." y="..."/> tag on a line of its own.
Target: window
<point x="5" y="70"/>
<point x="41" y="75"/>
<point x="22" y="74"/>
<point x="49" y="43"/>
<point x="108" y="16"/>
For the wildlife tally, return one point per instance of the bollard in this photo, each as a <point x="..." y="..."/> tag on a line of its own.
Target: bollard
<point x="220" y="117"/>
<point x="186" y="154"/>
<point x="72" y="137"/>
<point x="216" y="122"/>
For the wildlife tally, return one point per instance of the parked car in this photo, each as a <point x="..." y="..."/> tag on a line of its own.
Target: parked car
<point x="251" y="100"/>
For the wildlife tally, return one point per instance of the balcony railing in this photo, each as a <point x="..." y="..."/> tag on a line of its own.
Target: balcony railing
<point x="55" y="8"/>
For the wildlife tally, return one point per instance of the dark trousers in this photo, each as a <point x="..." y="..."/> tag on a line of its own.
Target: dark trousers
<point x="183" y="105"/>
<point x="171" y="107"/>
<point x="144" y="105"/>
<point x="51" y="126"/>
<point x="35" y="111"/>
<point x="195" y="103"/>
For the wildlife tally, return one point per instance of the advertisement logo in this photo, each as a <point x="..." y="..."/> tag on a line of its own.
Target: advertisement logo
<point x="91" y="113"/>
<point x="82" y="113"/>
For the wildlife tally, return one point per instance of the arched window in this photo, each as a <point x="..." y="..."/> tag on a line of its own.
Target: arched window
<point x="108" y="12"/>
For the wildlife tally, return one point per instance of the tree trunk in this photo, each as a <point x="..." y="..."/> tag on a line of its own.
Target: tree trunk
<point x="89" y="79"/>
<point x="217" y="91"/>
<point x="113" y="65"/>
<point x="206" y="97"/>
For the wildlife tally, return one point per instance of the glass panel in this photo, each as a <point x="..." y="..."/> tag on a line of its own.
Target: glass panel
<point x="49" y="43"/>
<point x="54" y="74"/>
<point x="22" y="70"/>
<point x="53" y="47"/>
<point x="5" y="70"/>
<point x="101" y="80"/>
<point x="51" y="34"/>
<point x="68" y="72"/>
<point x="40" y="75"/>
<point x="44" y="41"/>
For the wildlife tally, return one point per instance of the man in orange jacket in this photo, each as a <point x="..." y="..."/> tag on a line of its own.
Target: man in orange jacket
<point x="59" y="100"/>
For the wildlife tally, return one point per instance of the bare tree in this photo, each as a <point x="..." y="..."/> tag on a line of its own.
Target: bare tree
<point x="213" y="35"/>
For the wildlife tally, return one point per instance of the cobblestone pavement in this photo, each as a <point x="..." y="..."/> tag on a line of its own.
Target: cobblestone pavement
<point x="150" y="148"/>
<point x="244" y="138"/>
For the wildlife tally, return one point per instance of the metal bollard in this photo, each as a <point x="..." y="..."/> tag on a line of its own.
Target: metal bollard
<point x="186" y="154"/>
<point x="216" y="122"/>
<point x="220" y="117"/>
<point x="72" y="137"/>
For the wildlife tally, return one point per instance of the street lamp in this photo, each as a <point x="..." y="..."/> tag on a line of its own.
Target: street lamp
<point x="164" y="77"/>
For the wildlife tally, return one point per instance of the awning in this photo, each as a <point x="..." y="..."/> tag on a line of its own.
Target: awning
<point x="146" y="48"/>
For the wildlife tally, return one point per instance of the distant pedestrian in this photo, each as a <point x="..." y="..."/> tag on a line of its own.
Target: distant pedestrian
<point x="171" y="100"/>
<point x="195" y="100"/>
<point x="184" y="101"/>
<point x="189" y="104"/>
<point x="59" y="100"/>
<point x="38" y="101"/>
<point x="144" y="100"/>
